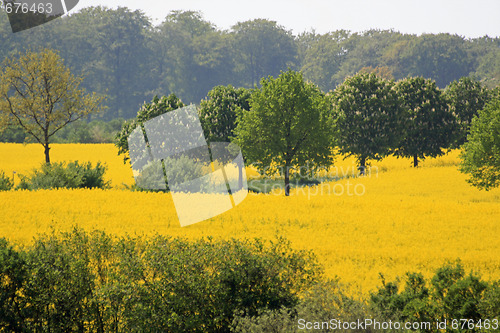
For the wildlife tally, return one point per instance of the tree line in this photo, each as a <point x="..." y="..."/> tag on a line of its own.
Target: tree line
<point x="287" y="122"/>
<point x="124" y="56"/>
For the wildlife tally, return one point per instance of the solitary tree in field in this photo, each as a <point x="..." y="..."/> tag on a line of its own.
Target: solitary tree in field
<point x="429" y="126"/>
<point x="288" y="125"/>
<point x="481" y="152"/>
<point x="38" y="93"/>
<point x="368" y="117"/>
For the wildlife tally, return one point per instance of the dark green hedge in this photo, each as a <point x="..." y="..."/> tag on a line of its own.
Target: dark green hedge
<point x="95" y="283"/>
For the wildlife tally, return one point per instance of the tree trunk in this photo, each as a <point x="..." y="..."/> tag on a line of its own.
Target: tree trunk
<point x="47" y="157"/>
<point x="240" y="177"/>
<point x="415" y="161"/>
<point x="362" y="166"/>
<point x="287" y="180"/>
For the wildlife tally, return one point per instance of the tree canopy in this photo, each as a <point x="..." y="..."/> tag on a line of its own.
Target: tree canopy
<point x="39" y="93"/>
<point x="288" y="125"/>
<point x="465" y="98"/>
<point x="124" y="55"/>
<point x="156" y="107"/>
<point x="368" y="116"/>
<point x="481" y="153"/>
<point x="428" y="126"/>
<point x="219" y="110"/>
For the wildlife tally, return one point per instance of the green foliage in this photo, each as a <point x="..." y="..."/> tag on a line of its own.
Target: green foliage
<point x="81" y="131"/>
<point x="112" y="48"/>
<point x="481" y="153"/>
<point x="181" y="169"/>
<point x="368" y="117"/>
<point x="5" y="182"/>
<point x="289" y="124"/>
<point x="441" y="57"/>
<point x="191" y="56"/>
<point x="62" y="175"/>
<point x="39" y="93"/>
<point x="96" y="131"/>
<point x="323" y="302"/>
<point x="13" y="274"/>
<point x="490" y="304"/>
<point x="218" y="112"/>
<point x="129" y="58"/>
<point x="94" y="283"/>
<point x="451" y="294"/>
<point x="322" y="57"/>
<point x="265" y="49"/>
<point x="158" y="106"/>
<point x="13" y="133"/>
<point x="465" y="98"/>
<point x="428" y="125"/>
<point x="413" y="303"/>
<point x="486" y="55"/>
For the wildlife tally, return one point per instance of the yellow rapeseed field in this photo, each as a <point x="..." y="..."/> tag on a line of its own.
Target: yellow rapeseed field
<point x="394" y="220"/>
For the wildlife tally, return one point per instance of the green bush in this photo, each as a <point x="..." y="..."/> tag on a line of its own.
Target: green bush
<point x="181" y="169"/>
<point x="5" y="182"/>
<point x="325" y="305"/>
<point x="451" y="294"/>
<point x="94" y="283"/>
<point x="489" y="306"/>
<point x="13" y="275"/>
<point x="62" y="175"/>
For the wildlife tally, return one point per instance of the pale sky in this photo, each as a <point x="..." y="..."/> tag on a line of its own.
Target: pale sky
<point x="472" y="18"/>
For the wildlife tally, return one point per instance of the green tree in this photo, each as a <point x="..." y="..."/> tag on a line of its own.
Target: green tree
<point x="368" y="117"/>
<point x="442" y="57"/>
<point x="429" y="126"/>
<point x="38" y="93"/>
<point x="158" y="106"/>
<point x="481" y="153"/>
<point x="262" y="48"/>
<point x="289" y="124"/>
<point x="218" y="111"/>
<point x="191" y="56"/>
<point x="364" y="50"/>
<point x="485" y="53"/>
<point x="465" y="98"/>
<point x="120" y="47"/>
<point x="322" y="57"/>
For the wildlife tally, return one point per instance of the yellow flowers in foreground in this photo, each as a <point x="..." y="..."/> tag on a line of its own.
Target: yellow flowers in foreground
<point x="392" y="221"/>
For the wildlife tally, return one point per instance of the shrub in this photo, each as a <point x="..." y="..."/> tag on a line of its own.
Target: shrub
<point x="181" y="169"/>
<point x="5" y="182"/>
<point x="13" y="274"/>
<point x="60" y="175"/>
<point x="489" y="306"/>
<point x="324" y="302"/>
<point x="451" y="294"/>
<point x="94" y="283"/>
<point x="198" y="286"/>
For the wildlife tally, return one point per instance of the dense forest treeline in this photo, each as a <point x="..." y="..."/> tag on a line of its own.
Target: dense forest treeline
<point x="124" y="56"/>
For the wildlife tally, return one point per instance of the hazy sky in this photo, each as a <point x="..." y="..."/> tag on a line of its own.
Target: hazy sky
<point x="469" y="18"/>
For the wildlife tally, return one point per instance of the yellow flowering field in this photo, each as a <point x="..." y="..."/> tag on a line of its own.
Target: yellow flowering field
<point x="23" y="158"/>
<point x="395" y="219"/>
